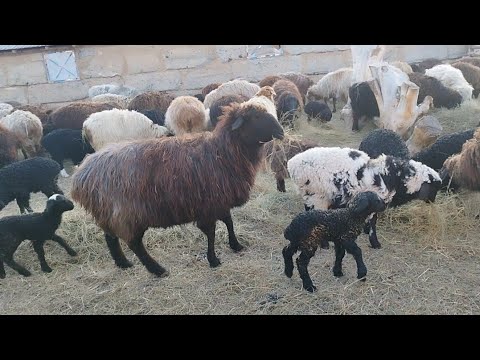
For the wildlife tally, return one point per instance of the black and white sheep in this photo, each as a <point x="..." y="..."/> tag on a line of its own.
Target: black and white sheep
<point x="329" y="177"/>
<point x="421" y="66"/>
<point x="453" y="78"/>
<point x="442" y="95"/>
<point x="37" y="227"/>
<point x="317" y="110"/>
<point x="471" y="73"/>
<point x="333" y="85"/>
<point x="157" y="116"/>
<point x="63" y="144"/>
<point x="23" y="177"/>
<point x="340" y="226"/>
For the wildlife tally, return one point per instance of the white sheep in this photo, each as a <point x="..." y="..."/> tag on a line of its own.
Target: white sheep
<point x="402" y="65"/>
<point x="112" y="89"/>
<point x="120" y="100"/>
<point x="234" y="87"/>
<point x="186" y="114"/>
<point x="28" y="129"/>
<point x="333" y="85"/>
<point x="265" y="98"/>
<point x="112" y="126"/>
<point x="5" y="109"/>
<point x="452" y="78"/>
<point x="329" y="177"/>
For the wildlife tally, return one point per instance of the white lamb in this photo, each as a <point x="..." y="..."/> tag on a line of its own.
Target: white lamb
<point x="234" y="87"/>
<point x="113" y="126"/>
<point x="452" y="78"/>
<point x="333" y="85"/>
<point x="265" y="98"/>
<point x="330" y="177"/>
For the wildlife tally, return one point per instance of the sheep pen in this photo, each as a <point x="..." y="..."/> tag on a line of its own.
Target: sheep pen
<point x="427" y="265"/>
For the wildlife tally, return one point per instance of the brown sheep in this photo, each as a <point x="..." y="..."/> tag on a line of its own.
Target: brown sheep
<point x="463" y="169"/>
<point x="471" y="73"/>
<point x="303" y="82"/>
<point x="471" y="60"/>
<point x="132" y="186"/>
<point x="38" y="110"/>
<point x="209" y="88"/>
<point x="151" y="100"/>
<point x="216" y="110"/>
<point x="288" y="101"/>
<point x="278" y="153"/>
<point x="269" y="80"/>
<point x="9" y="145"/>
<point x="73" y="115"/>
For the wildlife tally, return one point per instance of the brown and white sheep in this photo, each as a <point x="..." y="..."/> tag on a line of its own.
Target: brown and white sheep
<point x="186" y="114"/>
<point x="27" y="127"/>
<point x="234" y="87"/>
<point x="471" y="73"/>
<point x="133" y="186"/>
<point x="209" y="88"/>
<point x="9" y="145"/>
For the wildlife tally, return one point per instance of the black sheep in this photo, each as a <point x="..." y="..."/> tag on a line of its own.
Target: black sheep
<point x="341" y="226"/>
<point x="363" y="103"/>
<point x="37" y="227"/>
<point x="384" y="141"/>
<point x="23" y="177"/>
<point x="157" y="116"/>
<point x="318" y="110"/>
<point x="65" y="144"/>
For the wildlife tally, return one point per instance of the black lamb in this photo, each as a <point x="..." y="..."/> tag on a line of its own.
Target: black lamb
<point x="341" y="226"/>
<point x="37" y="227"/>
<point x="384" y="141"/>
<point x="65" y="144"/>
<point x="363" y="103"/>
<point x="318" y="110"/>
<point x="23" y="177"/>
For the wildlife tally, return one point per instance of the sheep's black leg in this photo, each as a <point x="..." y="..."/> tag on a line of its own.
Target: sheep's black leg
<point x="38" y="247"/>
<point x="63" y="243"/>
<point x="2" y="270"/>
<point x="352" y="248"/>
<point x="366" y="228"/>
<point x="281" y="185"/>
<point x="136" y="245"/>
<point x="334" y="100"/>
<point x="17" y="267"/>
<point x="339" y="255"/>
<point x="373" y="233"/>
<point x="302" y="263"/>
<point x="209" y="230"/>
<point x="355" y="123"/>
<point x="117" y="252"/>
<point x="232" y="238"/>
<point x="23" y="202"/>
<point x="287" y="253"/>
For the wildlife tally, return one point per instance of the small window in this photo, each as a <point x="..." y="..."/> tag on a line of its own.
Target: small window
<point x="61" y="66"/>
<point x="261" y="51"/>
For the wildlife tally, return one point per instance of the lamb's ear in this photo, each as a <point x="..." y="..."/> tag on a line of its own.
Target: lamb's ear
<point x="359" y="207"/>
<point x="238" y="122"/>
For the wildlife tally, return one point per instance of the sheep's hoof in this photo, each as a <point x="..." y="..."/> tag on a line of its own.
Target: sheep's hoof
<point x="72" y="252"/>
<point x="214" y="263"/>
<point x="310" y="288"/>
<point x="165" y="273"/>
<point x="337" y="273"/>
<point x="375" y="244"/>
<point x="64" y="174"/>
<point x="237" y="247"/>
<point x="47" y="269"/>
<point x="124" y="264"/>
<point x="362" y="275"/>
<point x="26" y="273"/>
<point x="289" y="272"/>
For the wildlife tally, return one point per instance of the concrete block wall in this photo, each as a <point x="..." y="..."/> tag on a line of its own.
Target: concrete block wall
<point x="180" y="69"/>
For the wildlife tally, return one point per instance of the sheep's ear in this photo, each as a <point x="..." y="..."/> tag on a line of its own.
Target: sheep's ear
<point x="238" y="122"/>
<point x="360" y="206"/>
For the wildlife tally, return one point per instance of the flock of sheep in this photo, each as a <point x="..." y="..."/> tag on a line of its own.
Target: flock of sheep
<point x="154" y="160"/>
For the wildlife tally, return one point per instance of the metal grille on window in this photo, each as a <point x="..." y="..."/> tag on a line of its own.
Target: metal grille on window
<point x="61" y="66"/>
<point x="261" y="51"/>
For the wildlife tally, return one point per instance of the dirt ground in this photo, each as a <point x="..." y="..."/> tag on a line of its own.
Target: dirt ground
<point x="429" y="262"/>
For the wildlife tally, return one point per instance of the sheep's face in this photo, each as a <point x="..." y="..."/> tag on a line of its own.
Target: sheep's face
<point x="255" y="126"/>
<point x="366" y="203"/>
<point x="59" y="203"/>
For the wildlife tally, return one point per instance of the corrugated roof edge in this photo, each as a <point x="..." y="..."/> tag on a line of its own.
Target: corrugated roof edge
<point x="18" y="47"/>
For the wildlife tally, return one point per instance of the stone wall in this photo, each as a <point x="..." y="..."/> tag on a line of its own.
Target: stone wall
<point x="180" y="69"/>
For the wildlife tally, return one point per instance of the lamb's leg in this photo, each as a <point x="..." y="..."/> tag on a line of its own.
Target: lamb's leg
<point x="367" y="227"/>
<point x="287" y="253"/>
<point x="17" y="267"/>
<point x="339" y="255"/>
<point x="209" y="230"/>
<point x="38" y="247"/>
<point x="355" y="126"/>
<point x="352" y="248"/>
<point x="117" y="252"/>
<point x="61" y="241"/>
<point x="281" y="185"/>
<point x="232" y="238"/>
<point x="2" y="270"/>
<point x="52" y="189"/>
<point x="23" y="202"/>
<point x="302" y="264"/>
<point x="136" y="245"/>
<point x="373" y="233"/>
